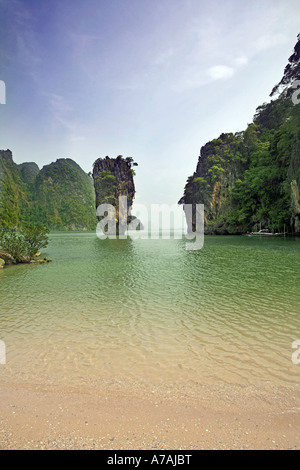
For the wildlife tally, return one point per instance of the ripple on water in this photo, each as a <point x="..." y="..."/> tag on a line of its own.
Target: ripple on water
<point x="150" y="310"/>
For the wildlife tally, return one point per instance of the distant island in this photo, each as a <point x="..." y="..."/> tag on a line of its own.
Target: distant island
<point x="60" y="196"/>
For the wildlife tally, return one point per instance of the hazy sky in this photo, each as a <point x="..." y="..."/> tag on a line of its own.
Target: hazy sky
<point x="150" y="79"/>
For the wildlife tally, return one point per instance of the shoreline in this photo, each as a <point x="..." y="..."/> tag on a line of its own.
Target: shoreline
<point x="116" y="416"/>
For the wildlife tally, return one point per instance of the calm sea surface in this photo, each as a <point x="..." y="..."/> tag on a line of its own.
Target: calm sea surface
<point x="151" y="311"/>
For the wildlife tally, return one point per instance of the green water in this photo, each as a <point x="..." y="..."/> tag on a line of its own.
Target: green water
<point x="151" y="311"/>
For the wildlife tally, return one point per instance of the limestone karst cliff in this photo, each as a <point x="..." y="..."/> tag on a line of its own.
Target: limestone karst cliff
<point x="251" y="179"/>
<point x="14" y="195"/>
<point x="114" y="186"/>
<point x="216" y="173"/>
<point x="60" y="196"/>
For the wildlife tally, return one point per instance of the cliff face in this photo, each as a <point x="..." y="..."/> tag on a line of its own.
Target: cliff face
<point x="13" y="191"/>
<point x="251" y="179"/>
<point x="218" y="169"/>
<point x="28" y="171"/>
<point x="113" y="178"/>
<point x="60" y="195"/>
<point x="294" y="178"/>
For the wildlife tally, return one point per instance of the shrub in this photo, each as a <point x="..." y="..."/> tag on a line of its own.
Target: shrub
<point x="25" y="244"/>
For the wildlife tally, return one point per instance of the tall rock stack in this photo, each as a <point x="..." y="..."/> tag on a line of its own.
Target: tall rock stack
<point x="114" y="187"/>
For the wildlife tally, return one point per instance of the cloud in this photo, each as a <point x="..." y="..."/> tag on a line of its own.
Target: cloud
<point x="194" y="78"/>
<point x="129" y="83"/>
<point x="164" y="57"/>
<point x="224" y="72"/>
<point x="267" y="41"/>
<point x="58" y="103"/>
<point x="59" y="110"/>
<point x="75" y="138"/>
<point x="220" y="72"/>
<point x="240" y="61"/>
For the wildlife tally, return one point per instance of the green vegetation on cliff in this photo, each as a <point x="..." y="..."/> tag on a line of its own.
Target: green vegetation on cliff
<point x="14" y="193"/>
<point x="65" y="197"/>
<point x="60" y="196"/>
<point x="251" y="179"/>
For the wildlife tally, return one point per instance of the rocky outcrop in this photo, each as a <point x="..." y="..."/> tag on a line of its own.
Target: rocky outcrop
<point x="29" y="171"/>
<point x="252" y="178"/>
<point x="6" y="257"/>
<point x="211" y="185"/>
<point x="40" y="261"/>
<point x="114" y="186"/>
<point x="6" y="155"/>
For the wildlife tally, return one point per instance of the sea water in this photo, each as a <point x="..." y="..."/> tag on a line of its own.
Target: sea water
<point x="151" y="311"/>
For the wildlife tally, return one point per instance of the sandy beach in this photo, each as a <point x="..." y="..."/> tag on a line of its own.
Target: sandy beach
<point x="121" y="416"/>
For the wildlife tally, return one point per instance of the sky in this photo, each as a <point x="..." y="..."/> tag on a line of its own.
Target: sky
<point x="150" y="79"/>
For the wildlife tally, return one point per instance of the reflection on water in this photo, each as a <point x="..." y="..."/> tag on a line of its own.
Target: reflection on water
<point x="150" y="310"/>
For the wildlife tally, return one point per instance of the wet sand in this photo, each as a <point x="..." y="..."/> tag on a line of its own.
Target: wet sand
<point x="120" y="416"/>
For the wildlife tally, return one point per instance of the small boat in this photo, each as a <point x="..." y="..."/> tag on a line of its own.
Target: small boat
<point x="264" y="233"/>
